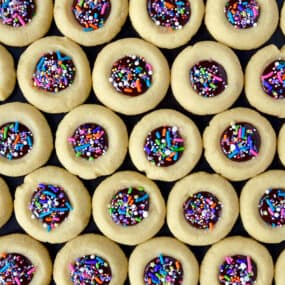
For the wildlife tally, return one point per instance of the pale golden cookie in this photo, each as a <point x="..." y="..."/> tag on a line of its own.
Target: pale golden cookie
<point x="279" y="269"/>
<point x="71" y="19"/>
<point x="130" y="76"/>
<point x="54" y="74"/>
<point x="6" y="203"/>
<point x="52" y="205"/>
<point x="154" y="21"/>
<point x="98" y="257"/>
<point x="128" y="207"/>
<point x="91" y="141"/>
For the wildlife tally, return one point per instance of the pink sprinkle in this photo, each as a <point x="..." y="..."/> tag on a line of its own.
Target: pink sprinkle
<point x="254" y="12"/>
<point x="17" y="281"/>
<point x="217" y="78"/>
<point x="38" y="83"/>
<point x="239" y="132"/>
<point x="228" y="260"/>
<point x="270" y="212"/>
<point x="31" y="271"/>
<point x="267" y="75"/>
<point x="279" y="77"/>
<point x="178" y="140"/>
<point x="253" y="152"/>
<point x="103" y="9"/>
<point x="208" y="201"/>
<point x="148" y="66"/>
<point x="71" y="139"/>
<point x="249" y="266"/>
<point x="283" y="212"/>
<point x="71" y="268"/>
<point x="21" y="20"/>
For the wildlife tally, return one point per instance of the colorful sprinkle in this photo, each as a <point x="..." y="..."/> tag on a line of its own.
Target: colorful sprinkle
<point x="172" y="14"/>
<point x="129" y="206"/>
<point x="54" y="72"/>
<point x="240" y="142"/>
<point x="90" y="270"/>
<point x="202" y="210"/>
<point x="272" y="207"/>
<point x="16" y="140"/>
<point x="238" y="270"/>
<point x="242" y="14"/>
<point x="50" y="205"/>
<point x="208" y="78"/>
<point x="17" y="13"/>
<point x="91" y="14"/>
<point x="89" y="141"/>
<point x="163" y="270"/>
<point x="15" y="269"/>
<point x="273" y="79"/>
<point x="164" y="146"/>
<point x="131" y="75"/>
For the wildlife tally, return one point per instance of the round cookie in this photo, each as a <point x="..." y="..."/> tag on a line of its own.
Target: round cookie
<point x="90" y="22"/>
<point x="91" y="141"/>
<point x="264" y="81"/>
<point x="279" y="269"/>
<point x="239" y="143"/>
<point x="25" y="139"/>
<point x="7" y="74"/>
<point x="54" y="74"/>
<point x="130" y="76"/>
<point x="202" y="208"/>
<point x="166" y="24"/>
<point x="24" y="260"/>
<point x="262" y="206"/>
<point x="52" y="205"/>
<point x="237" y="258"/>
<point x="281" y="144"/>
<point x="90" y="259"/>
<point x="165" y="144"/>
<point x="24" y="21"/>
<point x="163" y="260"/>
<point x="206" y="78"/>
<point x="282" y="19"/>
<point x="128" y="208"/>
<point x="240" y="24"/>
<point x="6" y="203"/>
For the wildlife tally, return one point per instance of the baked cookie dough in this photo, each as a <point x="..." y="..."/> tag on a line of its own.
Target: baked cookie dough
<point x="90" y="22"/>
<point x="54" y="74"/>
<point x="7" y="74"/>
<point x="206" y="78"/>
<point x="91" y="141"/>
<point x="237" y="258"/>
<point x="264" y="81"/>
<point x="165" y="144"/>
<point x="279" y="269"/>
<point x="25" y="139"/>
<point x="24" y="21"/>
<point x="163" y="260"/>
<point x="239" y="143"/>
<point x="128" y="208"/>
<point x="262" y="206"/>
<point x="52" y="205"/>
<point x="282" y="19"/>
<point x="167" y="24"/>
<point x="24" y="261"/>
<point x="130" y="76"/>
<point x="90" y="259"/>
<point x="6" y="203"/>
<point x="281" y="144"/>
<point x="202" y="208"/>
<point x="242" y="24"/>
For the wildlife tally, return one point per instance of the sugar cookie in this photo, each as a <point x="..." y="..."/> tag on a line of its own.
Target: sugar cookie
<point x="239" y="143"/>
<point x="54" y="74"/>
<point x="281" y="144"/>
<point x="206" y="78"/>
<point x="90" y="259"/>
<point x="7" y="74"/>
<point x="165" y="144"/>
<point x="128" y="208"/>
<point x="167" y="24"/>
<point x="237" y="258"/>
<point x="262" y="206"/>
<point x="90" y="23"/>
<point x="91" y="141"/>
<point x="163" y="260"/>
<point x="202" y="208"/>
<point x="282" y="19"/>
<point x="52" y="205"/>
<point x="25" y="139"/>
<point x="24" y="261"/>
<point x="279" y="269"/>
<point x="130" y="76"/>
<point x="24" y="21"/>
<point x="6" y="203"/>
<point x="242" y="24"/>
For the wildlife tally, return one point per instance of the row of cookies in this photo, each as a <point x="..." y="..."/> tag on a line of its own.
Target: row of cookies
<point x="167" y="24"/>
<point x="93" y="259"/>
<point x="128" y="208"/>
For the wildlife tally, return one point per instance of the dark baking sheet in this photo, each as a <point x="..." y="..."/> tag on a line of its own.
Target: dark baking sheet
<point x="169" y="102"/>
